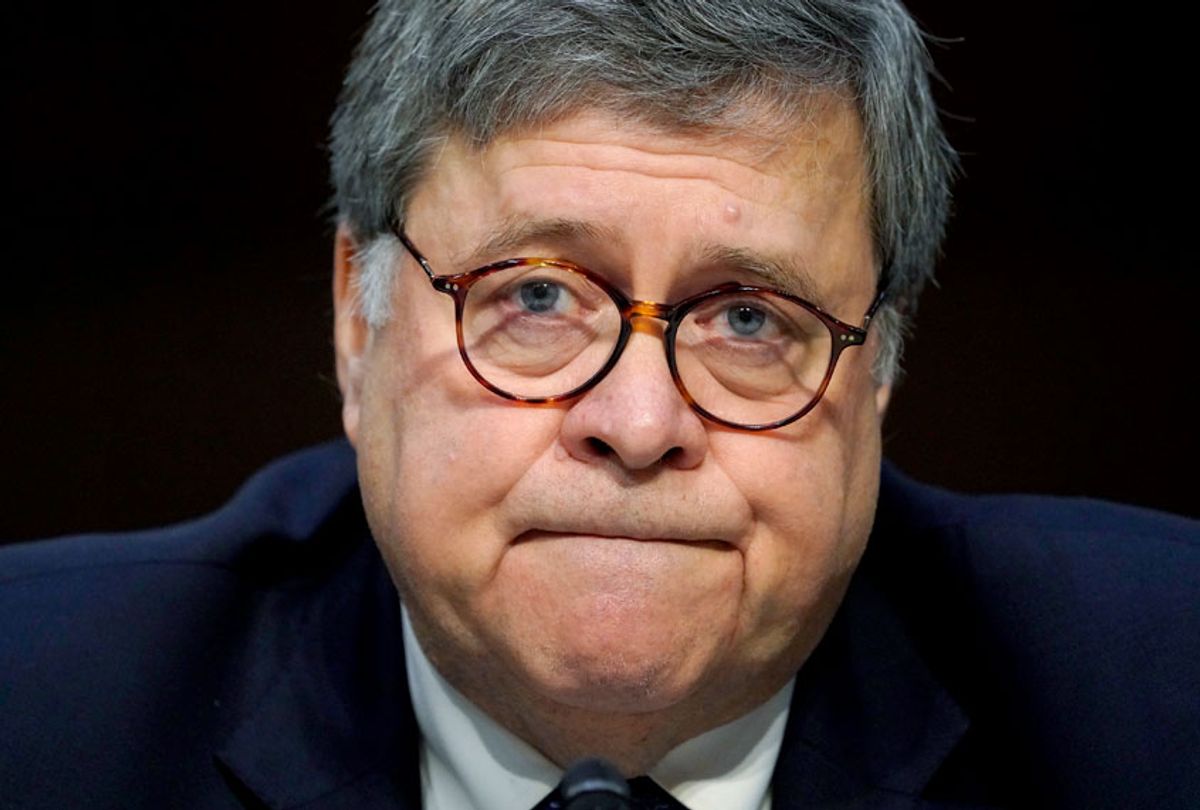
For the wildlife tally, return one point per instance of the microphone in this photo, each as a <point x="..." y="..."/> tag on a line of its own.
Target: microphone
<point x="594" y="784"/>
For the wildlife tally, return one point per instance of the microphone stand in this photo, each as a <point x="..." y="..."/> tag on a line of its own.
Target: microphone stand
<point x="594" y="784"/>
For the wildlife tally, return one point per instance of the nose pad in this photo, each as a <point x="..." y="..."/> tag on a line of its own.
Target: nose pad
<point x="635" y="415"/>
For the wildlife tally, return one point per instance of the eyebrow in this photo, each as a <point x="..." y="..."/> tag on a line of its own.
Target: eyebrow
<point x="514" y="233"/>
<point x="782" y="274"/>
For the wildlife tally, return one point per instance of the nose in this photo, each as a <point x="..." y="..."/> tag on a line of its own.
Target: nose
<point x="636" y="416"/>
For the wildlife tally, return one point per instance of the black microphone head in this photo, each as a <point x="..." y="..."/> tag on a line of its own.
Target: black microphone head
<point x="594" y="784"/>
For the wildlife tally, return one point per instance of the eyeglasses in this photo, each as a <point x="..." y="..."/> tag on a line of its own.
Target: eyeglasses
<point x="540" y="331"/>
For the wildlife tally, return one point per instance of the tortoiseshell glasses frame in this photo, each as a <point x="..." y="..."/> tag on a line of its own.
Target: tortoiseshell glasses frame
<point x="458" y="286"/>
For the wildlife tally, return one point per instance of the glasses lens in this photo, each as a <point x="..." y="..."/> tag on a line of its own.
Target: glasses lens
<point x="539" y="330"/>
<point x="752" y="358"/>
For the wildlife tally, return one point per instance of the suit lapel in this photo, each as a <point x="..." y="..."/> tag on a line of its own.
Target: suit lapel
<point x="336" y="728"/>
<point x="869" y="723"/>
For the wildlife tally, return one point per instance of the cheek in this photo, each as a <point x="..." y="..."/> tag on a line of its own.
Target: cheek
<point x="793" y="479"/>
<point x="799" y="536"/>
<point x="438" y="458"/>
<point x="812" y="490"/>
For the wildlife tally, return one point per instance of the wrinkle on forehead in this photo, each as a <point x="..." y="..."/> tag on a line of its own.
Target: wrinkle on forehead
<point x="756" y="163"/>
<point x="763" y="134"/>
<point x="730" y="176"/>
<point x="669" y="159"/>
<point x="763" y="141"/>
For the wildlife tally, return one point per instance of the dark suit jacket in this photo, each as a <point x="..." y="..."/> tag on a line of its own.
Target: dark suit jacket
<point x="1013" y="651"/>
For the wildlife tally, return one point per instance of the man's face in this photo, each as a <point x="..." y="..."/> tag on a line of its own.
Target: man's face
<point x="618" y="553"/>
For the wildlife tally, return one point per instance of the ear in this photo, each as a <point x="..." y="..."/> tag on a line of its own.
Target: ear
<point x="351" y="333"/>
<point x="883" y="395"/>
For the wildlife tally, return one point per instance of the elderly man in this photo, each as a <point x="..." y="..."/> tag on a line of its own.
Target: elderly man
<point x="619" y="291"/>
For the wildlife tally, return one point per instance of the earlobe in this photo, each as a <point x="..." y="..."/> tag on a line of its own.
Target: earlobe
<point x="351" y="333"/>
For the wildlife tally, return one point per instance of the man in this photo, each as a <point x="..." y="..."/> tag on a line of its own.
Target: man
<point x="619" y="290"/>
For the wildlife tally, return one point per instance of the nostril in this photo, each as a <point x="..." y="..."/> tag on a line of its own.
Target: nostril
<point x="599" y="447"/>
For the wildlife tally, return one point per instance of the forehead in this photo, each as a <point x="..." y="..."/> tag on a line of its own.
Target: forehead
<point x="794" y="191"/>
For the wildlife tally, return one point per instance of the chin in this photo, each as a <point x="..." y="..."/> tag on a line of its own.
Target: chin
<point x="616" y="687"/>
<point x="634" y="636"/>
<point x="620" y="677"/>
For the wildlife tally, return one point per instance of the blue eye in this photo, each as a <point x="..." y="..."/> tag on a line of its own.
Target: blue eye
<point x="539" y="296"/>
<point x="745" y="320"/>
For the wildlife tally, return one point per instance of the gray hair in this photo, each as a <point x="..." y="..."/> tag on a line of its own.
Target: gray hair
<point x="429" y="69"/>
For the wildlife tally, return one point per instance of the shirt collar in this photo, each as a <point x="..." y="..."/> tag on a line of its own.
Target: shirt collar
<point x="468" y="760"/>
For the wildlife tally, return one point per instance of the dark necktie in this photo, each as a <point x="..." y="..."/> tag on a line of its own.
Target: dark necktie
<point x="646" y="794"/>
<point x="649" y="795"/>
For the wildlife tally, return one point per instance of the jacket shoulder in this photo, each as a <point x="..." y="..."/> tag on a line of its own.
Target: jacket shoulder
<point x="926" y="507"/>
<point x="283" y="504"/>
<point x="1069" y="629"/>
<point x="1030" y="558"/>
<point x="126" y="658"/>
<point x="1043" y="564"/>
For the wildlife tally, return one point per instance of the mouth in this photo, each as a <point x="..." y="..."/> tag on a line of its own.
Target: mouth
<point x="543" y="535"/>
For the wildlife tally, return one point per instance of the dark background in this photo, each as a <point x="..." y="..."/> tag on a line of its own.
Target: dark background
<point x="165" y="325"/>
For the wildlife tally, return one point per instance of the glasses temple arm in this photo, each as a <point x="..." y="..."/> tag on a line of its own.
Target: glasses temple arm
<point x="398" y="231"/>
<point x="880" y="297"/>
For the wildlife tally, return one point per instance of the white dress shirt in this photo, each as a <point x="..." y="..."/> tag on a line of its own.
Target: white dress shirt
<point x="470" y="762"/>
